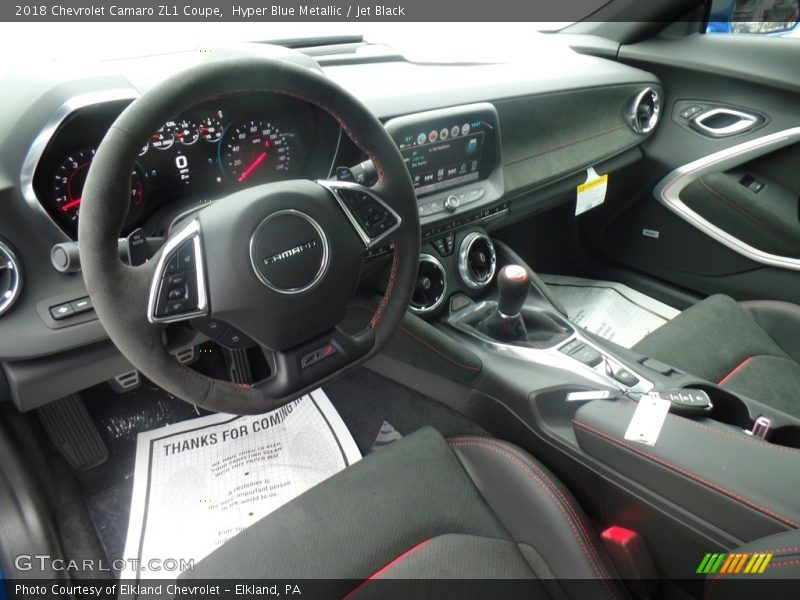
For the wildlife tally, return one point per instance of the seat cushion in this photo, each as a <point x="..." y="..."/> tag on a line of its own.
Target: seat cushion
<point x="749" y="348"/>
<point x="423" y="508"/>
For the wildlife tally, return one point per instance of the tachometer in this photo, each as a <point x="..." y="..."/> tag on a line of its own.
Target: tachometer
<point x="68" y="186"/>
<point x="255" y="151"/>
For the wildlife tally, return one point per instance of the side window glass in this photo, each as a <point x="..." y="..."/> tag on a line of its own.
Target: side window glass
<point x="775" y="18"/>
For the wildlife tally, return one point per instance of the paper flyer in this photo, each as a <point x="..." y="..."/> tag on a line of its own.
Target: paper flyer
<point x="200" y="482"/>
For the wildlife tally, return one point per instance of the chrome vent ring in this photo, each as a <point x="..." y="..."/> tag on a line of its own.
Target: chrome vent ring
<point x="644" y="111"/>
<point x="431" y="286"/>
<point x="477" y="260"/>
<point x="10" y="278"/>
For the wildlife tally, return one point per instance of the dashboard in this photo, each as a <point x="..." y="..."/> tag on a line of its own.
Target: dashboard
<point x="486" y="146"/>
<point x="210" y="151"/>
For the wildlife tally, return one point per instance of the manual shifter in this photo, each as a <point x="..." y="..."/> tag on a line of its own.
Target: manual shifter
<point x="506" y="322"/>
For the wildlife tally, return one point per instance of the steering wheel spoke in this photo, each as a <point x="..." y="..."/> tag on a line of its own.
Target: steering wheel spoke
<point x="298" y="368"/>
<point x="373" y="220"/>
<point x="178" y="290"/>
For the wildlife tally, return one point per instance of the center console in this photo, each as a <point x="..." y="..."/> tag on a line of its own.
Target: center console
<point x="487" y="337"/>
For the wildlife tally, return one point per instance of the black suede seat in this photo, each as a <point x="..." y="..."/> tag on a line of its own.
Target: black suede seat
<point x="751" y="348"/>
<point x="426" y="508"/>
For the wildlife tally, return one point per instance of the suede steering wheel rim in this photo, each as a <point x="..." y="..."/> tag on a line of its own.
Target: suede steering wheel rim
<point x="235" y="249"/>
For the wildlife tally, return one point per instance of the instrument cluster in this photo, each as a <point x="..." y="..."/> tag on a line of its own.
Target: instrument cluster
<point x="207" y="153"/>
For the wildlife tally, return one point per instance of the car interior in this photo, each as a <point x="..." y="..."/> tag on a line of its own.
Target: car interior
<point x="501" y="261"/>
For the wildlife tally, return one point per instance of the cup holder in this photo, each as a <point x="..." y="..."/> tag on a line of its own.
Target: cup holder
<point x="731" y="409"/>
<point x="785" y="435"/>
<point x="726" y="407"/>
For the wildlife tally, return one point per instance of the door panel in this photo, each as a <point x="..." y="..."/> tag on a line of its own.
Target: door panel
<point x="750" y="207"/>
<point x="716" y="213"/>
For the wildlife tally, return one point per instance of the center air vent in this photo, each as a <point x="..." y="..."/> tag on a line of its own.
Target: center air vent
<point x="429" y="292"/>
<point x="10" y="278"/>
<point x="477" y="260"/>
<point x="644" y="111"/>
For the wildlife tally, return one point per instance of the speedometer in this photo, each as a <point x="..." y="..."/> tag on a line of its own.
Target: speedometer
<point x="255" y="151"/>
<point x="68" y="187"/>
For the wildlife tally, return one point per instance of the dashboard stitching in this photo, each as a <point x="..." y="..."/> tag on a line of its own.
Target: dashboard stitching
<point x="566" y="144"/>
<point x="424" y="343"/>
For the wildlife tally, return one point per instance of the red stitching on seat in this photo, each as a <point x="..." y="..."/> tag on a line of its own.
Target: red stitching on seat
<point x="689" y="474"/>
<point x="392" y="563"/>
<point x="784" y="563"/>
<point x="784" y="550"/>
<point x="735" y="370"/>
<point x="552" y="485"/>
<point x="594" y="561"/>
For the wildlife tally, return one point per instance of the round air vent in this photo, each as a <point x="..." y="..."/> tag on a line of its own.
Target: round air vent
<point x="431" y="286"/>
<point x="644" y="111"/>
<point x="477" y="260"/>
<point x="10" y="278"/>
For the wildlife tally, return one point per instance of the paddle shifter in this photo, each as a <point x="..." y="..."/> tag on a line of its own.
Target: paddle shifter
<point x="509" y="322"/>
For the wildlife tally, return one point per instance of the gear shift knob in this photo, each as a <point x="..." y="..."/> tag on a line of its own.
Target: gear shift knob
<point x="513" y="284"/>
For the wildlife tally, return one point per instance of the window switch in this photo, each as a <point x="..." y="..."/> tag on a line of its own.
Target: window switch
<point x="752" y="184"/>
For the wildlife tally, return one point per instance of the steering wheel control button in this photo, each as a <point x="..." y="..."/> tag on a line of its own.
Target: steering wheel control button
<point x="314" y="357"/>
<point x="178" y="291"/>
<point x="289" y="252"/>
<point x="177" y="295"/>
<point x="171" y="266"/>
<point x="233" y="339"/>
<point x="372" y="216"/>
<point x="177" y="280"/>
<point x="211" y="327"/>
<point x="372" y="219"/>
<point x="62" y="311"/>
<point x="186" y="256"/>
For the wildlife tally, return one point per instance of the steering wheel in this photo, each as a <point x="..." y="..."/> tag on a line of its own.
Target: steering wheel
<point x="279" y="262"/>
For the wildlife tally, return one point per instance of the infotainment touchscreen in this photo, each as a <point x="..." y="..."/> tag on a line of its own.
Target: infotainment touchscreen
<point x="447" y="148"/>
<point x="446" y="155"/>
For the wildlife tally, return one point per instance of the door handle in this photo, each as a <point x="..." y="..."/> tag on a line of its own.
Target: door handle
<point x="722" y="122"/>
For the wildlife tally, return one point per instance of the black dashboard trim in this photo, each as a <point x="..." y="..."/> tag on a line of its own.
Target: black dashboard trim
<point x="45" y="136"/>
